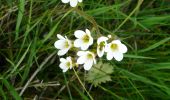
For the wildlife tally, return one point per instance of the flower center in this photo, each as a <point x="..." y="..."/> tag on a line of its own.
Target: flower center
<point x="101" y="45"/>
<point x="89" y="56"/>
<point x="114" y="47"/>
<point x="68" y="64"/>
<point x="86" y="39"/>
<point x="66" y="45"/>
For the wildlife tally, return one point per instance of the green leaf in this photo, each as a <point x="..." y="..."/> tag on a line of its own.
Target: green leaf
<point x="11" y="89"/>
<point x="21" y="9"/>
<point x="150" y="21"/>
<point x="155" y="45"/>
<point x="100" y="73"/>
<point x="137" y="57"/>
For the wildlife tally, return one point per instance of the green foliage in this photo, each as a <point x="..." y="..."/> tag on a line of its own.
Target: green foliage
<point x="100" y="73"/>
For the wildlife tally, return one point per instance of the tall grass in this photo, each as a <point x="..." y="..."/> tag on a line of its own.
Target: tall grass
<point x="29" y="65"/>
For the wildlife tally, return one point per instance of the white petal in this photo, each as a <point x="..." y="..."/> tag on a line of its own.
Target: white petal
<point x="122" y="48"/>
<point x="88" y="32"/>
<point x="101" y="39"/>
<point x="90" y="37"/>
<point x="84" y="46"/>
<point x="99" y="52"/>
<point x="70" y="61"/>
<point x="60" y="37"/>
<point x="79" y="33"/>
<point x="90" y="41"/>
<point x="59" y="44"/>
<point x="81" y="60"/>
<point x="65" y="1"/>
<point x="116" y="42"/>
<point x="81" y="53"/>
<point x="107" y="47"/>
<point x="94" y="60"/>
<point x="109" y="55"/>
<point x="88" y="64"/>
<point x="63" y="67"/>
<point x="73" y="3"/>
<point x="78" y="43"/>
<point x="109" y="36"/>
<point x="62" y="60"/>
<point x="71" y="66"/>
<point x="64" y="70"/>
<point x="118" y="56"/>
<point x="70" y="43"/>
<point x="62" y="52"/>
<point x="80" y="0"/>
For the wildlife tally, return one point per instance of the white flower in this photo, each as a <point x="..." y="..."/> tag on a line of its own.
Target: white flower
<point x="65" y="64"/>
<point x="115" y="49"/>
<point x="84" y="39"/>
<point x="87" y="58"/>
<point x="109" y="36"/>
<point x="73" y="3"/>
<point x="63" y="44"/>
<point x="101" y="44"/>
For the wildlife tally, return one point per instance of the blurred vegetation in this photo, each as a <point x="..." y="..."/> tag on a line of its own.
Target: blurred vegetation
<point x="29" y="62"/>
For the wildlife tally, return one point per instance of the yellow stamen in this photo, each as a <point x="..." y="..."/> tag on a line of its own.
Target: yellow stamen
<point x="68" y="64"/>
<point x="114" y="47"/>
<point x="101" y="45"/>
<point x="66" y="45"/>
<point x="86" y="39"/>
<point x="89" y="56"/>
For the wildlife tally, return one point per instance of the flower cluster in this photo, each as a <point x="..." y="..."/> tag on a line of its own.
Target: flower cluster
<point x="85" y="56"/>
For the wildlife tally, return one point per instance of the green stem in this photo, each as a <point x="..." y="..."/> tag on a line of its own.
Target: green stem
<point x="82" y="85"/>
